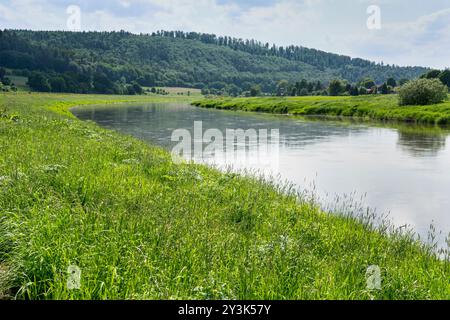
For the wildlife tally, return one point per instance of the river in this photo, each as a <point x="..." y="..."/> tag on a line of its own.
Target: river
<point x="402" y="171"/>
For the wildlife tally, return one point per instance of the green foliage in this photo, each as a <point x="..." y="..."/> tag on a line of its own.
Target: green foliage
<point x="233" y="90"/>
<point x="445" y="77"/>
<point x="433" y="74"/>
<point x="374" y="107"/>
<point x="58" y="84"/>
<point x="362" y="91"/>
<point x="367" y="83"/>
<point x="255" y="91"/>
<point x="384" y="89"/>
<point x="39" y="82"/>
<point x="422" y="92"/>
<point x="6" y="81"/>
<point x="178" y="59"/>
<point x="391" y="82"/>
<point x="304" y="92"/>
<point x="354" y="91"/>
<point x="282" y="88"/>
<point x="2" y="73"/>
<point x="335" y="88"/>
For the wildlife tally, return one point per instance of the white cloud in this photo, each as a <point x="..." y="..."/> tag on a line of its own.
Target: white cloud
<point x="125" y="3"/>
<point x="419" y="42"/>
<point x="413" y="33"/>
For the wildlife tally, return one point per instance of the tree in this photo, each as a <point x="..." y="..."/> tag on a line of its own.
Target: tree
<point x="169" y="59"/>
<point x="233" y="90"/>
<point x="368" y="83"/>
<point x="137" y="88"/>
<point x="102" y="84"/>
<point x="433" y="74"/>
<point x="2" y="73"/>
<point x="318" y="86"/>
<point x="445" y="77"/>
<point x="6" y="81"/>
<point x="37" y="81"/>
<point x="354" y="91"/>
<point x="58" y="84"/>
<point x="282" y="88"/>
<point x="301" y="85"/>
<point x="130" y="90"/>
<point x="384" y="89"/>
<point x="255" y="90"/>
<point x="402" y="82"/>
<point x="422" y="92"/>
<point x="304" y="92"/>
<point x="335" y="88"/>
<point x="374" y="89"/>
<point x="362" y="91"/>
<point x="391" y="82"/>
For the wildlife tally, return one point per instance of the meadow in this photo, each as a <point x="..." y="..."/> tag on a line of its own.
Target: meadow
<point x="370" y="107"/>
<point x="142" y="227"/>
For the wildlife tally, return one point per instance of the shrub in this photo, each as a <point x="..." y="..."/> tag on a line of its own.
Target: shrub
<point x="422" y="92"/>
<point x="304" y="92"/>
<point x="335" y="88"/>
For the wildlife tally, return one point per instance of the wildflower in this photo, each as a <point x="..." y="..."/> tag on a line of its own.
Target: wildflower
<point x="4" y="180"/>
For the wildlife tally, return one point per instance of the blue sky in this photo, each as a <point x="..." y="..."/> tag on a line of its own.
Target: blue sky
<point x="413" y="32"/>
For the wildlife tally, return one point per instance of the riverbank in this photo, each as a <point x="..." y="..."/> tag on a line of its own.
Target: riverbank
<point x="141" y="227"/>
<point x="380" y="108"/>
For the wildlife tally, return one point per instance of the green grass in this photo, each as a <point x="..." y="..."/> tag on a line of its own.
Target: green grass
<point x="141" y="227"/>
<point x="383" y="108"/>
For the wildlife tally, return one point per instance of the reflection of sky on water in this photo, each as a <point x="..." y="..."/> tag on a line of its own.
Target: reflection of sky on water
<point x="403" y="171"/>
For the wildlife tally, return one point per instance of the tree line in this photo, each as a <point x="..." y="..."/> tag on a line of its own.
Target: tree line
<point x="348" y="66"/>
<point x="120" y="62"/>
<point x="338" y="87"/>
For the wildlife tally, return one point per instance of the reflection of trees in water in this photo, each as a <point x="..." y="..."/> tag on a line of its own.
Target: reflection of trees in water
<point x="421" y="142"/>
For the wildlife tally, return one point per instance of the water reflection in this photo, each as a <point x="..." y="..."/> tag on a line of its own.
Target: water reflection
<point x="421" y="142"/>
<point x="403" y="170"/>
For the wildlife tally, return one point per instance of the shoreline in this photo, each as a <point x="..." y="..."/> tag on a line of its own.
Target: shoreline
<point x="362" y="108"/>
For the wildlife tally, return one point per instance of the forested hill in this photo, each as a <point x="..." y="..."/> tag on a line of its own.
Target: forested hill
<point x="104" y="61"/>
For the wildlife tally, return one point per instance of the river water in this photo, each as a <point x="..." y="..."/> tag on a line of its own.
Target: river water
<point x="398" y="170"/>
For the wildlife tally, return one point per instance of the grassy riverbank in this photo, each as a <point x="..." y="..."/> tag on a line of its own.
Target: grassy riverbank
<point x="141" y="227"/>
<point x="366" y="107"/>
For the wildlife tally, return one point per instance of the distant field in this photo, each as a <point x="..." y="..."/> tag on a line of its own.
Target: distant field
<point x="366" y="107"/>
<point x="178" y="90"/>
<point x="20" y="82"/>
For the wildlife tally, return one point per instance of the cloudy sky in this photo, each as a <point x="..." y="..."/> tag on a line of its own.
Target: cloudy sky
<point x="413" y="32"/>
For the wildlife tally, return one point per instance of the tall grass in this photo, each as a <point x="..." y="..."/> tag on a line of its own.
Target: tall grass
<point x="141" y="227"/>
<point x="383" y="108"/>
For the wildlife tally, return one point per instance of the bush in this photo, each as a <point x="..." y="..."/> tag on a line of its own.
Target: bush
<point x="422" y="92"/>
<point x="335" y="88"/>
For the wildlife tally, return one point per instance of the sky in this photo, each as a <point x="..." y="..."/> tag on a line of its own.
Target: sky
<point x="401" y="32"/>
